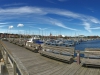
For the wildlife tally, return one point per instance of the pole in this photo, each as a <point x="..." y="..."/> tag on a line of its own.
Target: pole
<point x="78" y="57"/>
<point x="2" y="69"/>
<point x="42" y="34"/>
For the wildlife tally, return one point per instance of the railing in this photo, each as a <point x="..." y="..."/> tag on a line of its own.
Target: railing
<point x="12" y="62"/>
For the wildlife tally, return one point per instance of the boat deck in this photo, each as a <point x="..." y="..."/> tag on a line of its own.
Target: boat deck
<point x="39" y="65"/>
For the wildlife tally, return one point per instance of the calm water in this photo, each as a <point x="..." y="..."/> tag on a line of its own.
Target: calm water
<point x="88" y="44"/>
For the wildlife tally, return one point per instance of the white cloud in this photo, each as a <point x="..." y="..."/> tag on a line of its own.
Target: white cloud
<point x="42" y="28"/>
<point x="94" y="20"/>
<point x="44" y="11"/>
<point x="87" y="26"/>
<point x="41" y="12"/>
<point x="57" y="23"/>
<point x="22" y="11"/>
<point x="95" y="28"/>
<point x="81" y="17"/>
<point x="3" y="23"/>
<point x="20" y="25"/>
<point x="76" y="16"/>
<point x="2" y="26"/>
<point x="10" y="27"/>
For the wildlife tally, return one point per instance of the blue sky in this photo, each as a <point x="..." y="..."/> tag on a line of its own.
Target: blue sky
<point x="66" y="17"/>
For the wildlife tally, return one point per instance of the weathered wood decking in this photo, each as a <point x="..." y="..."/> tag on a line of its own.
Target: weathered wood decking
<point x="92" y="57"/>
<point x="59" y="53"/>
<point x="38" y="65"/>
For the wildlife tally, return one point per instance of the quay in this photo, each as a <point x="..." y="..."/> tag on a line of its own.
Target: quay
<point x="35" y="64"/>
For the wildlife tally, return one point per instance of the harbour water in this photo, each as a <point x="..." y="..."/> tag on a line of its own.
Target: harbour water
<point x="88" y="44"/>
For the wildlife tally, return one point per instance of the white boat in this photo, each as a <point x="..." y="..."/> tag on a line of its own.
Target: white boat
<point x="33" y="39"/>
<point x="68" y="43"/>
<point x="30" y="40"/>
<point x="59" y="43"/>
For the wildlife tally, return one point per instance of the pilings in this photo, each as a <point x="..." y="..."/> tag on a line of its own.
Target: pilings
<point x="78" y="57"/>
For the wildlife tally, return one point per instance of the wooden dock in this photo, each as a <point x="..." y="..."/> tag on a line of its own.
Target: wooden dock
<point x="39" y="65"/>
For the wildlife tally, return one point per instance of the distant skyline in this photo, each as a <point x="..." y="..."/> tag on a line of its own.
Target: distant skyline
<point x="66" y="17"/>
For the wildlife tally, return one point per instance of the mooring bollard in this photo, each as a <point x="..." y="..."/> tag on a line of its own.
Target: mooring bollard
<point x="78" y="57"/>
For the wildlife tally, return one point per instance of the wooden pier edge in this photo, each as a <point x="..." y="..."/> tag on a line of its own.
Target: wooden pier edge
<point x="17" y="64"/>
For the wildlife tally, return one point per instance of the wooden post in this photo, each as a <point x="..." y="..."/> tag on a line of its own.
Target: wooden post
<point x="6" y="58"/>
<point x="2" y="50"/>
<point x="14" y="68"/>
<point x="78" y="57"/>
<point x="2" y="69"/>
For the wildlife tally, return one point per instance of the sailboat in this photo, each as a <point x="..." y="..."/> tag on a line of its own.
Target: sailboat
<point x="35" y="39"/>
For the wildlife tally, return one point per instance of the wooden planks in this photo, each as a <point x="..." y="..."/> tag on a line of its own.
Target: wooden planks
<point x="38" y="65"/>
<point x="92" y="52"/>
<point x="92" y="57"/>
<point x="59" y="53"/>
